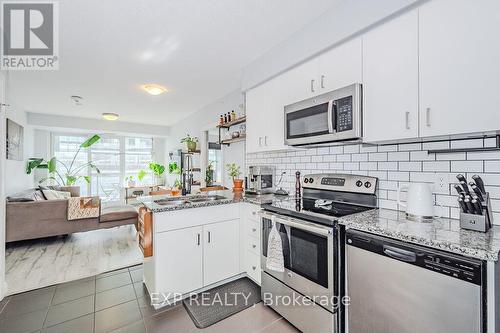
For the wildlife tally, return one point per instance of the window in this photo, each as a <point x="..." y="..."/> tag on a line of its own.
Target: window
<point x="116" y="157"/>
<point x="215" y="156"/>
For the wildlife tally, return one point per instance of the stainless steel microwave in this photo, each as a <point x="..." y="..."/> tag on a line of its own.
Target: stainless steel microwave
<point x="333" y="116"/>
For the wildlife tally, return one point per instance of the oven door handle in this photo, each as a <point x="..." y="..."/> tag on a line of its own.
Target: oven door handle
<point x="302" y="225"/>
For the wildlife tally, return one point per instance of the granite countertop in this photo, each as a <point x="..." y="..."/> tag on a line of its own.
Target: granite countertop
<point x="227" y="197"/>
<point x="443" y="234"/>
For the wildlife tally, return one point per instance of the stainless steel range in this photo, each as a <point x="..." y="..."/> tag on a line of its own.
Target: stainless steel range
<point x="309" y="291"/>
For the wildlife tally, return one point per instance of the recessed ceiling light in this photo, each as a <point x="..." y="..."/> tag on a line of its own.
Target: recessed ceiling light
<point x="110" y="116"/>
<point x="154" y="89"/>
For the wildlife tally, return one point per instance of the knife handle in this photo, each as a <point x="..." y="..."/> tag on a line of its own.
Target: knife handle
<point x="479" y="182"/>
<point x="465" y="187"/>
<point x="477" y="207"/>
<point x="469" y="205"/>
<point x="458" y="188"/>
<point x="477" y="191"/>
<point x="462" y="204"/>
<point x="461" y="178"/>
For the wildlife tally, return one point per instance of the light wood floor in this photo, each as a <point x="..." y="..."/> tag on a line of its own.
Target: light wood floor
<point x="40" y="263"/>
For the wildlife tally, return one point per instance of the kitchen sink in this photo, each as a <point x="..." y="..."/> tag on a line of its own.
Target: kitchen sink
<point x="206" y="199"/>
<point x="171" y="202"/>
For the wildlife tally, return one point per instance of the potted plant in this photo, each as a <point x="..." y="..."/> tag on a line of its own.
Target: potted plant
<point x="190" y="142"/>
<point x="158" y="170"/>
<point x="141" y="174"/>
<point x="176" y="189"/>
<point x="234" y="172"/>
<point x="69" y="175"/>
<point x="173" y="169"/>
<point x="130" y="180"/>
<point x="209" y="174"/>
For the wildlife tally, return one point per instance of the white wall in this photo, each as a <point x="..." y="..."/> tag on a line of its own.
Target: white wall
<point x="205" y="119"/>
<point x="16" y="177"/>
<point x="343" y="21"/>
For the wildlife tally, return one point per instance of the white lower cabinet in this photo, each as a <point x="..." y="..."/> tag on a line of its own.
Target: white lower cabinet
<point x="220" y="256"/>
<point x="252" y="241"/>
<point x="180" y="264"/>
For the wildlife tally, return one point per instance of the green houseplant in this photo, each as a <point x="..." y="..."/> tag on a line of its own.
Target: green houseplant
<point x="141" y="174"/>
<point x="130" y="180"/>
<point x="68" y="175"/>
<point x="234" y="172"/>
<point x="190" y="142"/>
<point x="173" y="169"/>
<point x="158" y="170"/>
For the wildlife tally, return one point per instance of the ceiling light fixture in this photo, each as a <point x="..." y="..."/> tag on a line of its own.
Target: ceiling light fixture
<point x="110" y="116"/>
<point x="154" y="89"/>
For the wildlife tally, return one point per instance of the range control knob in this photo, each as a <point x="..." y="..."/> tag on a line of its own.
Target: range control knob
<point x="368" y="184"/>
<point x="311" y="180"/>
<point x="359" y="183"/>
<point x="306" y="180"/>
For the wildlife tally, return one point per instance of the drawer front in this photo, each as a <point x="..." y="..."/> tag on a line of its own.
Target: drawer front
<point x="253" y="228"/>
<point x="253" y="266"/>
<point x="252" y="213"/>
<point x="253" y="245"/>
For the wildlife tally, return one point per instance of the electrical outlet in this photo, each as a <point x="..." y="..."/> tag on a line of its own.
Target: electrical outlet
<point x="442" y="183"/>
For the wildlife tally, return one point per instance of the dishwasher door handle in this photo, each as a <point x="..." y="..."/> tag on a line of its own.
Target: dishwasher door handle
<point x="400" y="254"/>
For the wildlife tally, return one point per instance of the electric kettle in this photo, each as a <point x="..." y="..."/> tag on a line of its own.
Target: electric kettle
<point x="419" y="204"/>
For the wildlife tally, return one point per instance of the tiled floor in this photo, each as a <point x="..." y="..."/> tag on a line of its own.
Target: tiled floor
<point x="45" y="262"/>
<point x="117" y="302"/>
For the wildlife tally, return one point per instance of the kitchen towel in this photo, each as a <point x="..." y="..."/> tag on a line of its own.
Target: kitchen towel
<point x="275" y="260"/>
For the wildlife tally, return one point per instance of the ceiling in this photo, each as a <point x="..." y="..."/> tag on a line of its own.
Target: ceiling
<point x="196" y="49"/>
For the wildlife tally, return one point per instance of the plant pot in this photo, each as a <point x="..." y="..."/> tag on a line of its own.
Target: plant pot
<point x="159" y="180"/>
<point x="176" y="192"/>
<point x="191" y="146"/>
<point x="74" y="190"/>
<point x="209" y="178"/>
<point x="237" y="185"/>
<point x="131" y="183"/>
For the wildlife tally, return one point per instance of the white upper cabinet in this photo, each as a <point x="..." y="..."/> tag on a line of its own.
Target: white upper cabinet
<point x="459" y="66"/>
<point x="340" y="67"/>
<point x="390" y="80"/>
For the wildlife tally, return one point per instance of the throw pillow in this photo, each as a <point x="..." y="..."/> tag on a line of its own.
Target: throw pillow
<point x="55" y="195"/>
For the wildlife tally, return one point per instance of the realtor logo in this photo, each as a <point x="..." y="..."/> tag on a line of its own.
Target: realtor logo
<point x="30" y="35"/>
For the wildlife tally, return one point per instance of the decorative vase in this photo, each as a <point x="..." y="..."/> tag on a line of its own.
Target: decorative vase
<point x="131" y="183"/>
<point x="74" y="190"/>
<point x="237" y="185"/>
<point x="191" y="146"/>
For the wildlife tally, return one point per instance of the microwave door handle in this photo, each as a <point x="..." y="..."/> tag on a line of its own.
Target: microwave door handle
<point x="331" y="120"/>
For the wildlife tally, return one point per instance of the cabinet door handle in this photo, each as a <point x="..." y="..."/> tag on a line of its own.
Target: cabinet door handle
<point x="199" y="239"/>
<point x="407" y="120"/>
<point x="254" y="246"/>
<point x="322" y="81"/>
<point x="254" y="213"/>
<point x="254" y="267"/>
<point x="254" y="230"/>
<point x="428" y="117"/>
<point x="209" y="237"/>
<point x="260" y="141"/>
<point x="265" y="140"/>
<point x="312" y="85"/>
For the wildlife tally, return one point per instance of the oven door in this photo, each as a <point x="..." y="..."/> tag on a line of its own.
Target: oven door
<point x="310" y="257"/>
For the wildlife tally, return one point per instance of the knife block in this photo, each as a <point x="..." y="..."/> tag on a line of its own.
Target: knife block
<point x="476" y="222"/>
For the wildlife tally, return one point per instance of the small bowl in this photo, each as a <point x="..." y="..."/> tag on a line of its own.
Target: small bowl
<point x="235" y="135"/>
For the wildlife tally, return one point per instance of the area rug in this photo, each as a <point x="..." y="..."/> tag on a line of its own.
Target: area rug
<point x="214" y="305"/>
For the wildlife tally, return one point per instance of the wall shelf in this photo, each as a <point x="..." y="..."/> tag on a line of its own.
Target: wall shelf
<point x="232" y="123"/>
<point x="227" y="126"/>
<point x="229" y="141"/>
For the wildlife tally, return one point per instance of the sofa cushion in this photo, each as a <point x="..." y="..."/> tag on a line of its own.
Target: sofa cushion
<point x="55" y="195"/>
<point x="117" y="213"/>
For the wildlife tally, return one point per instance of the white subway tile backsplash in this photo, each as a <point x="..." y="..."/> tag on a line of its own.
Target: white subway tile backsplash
<point x="410" y="166"/>
<point x="388" y="148"/>
<point x="344" y="158"/>
<point x="368" y="148"/>
<point x="337" y="150"/>
<point x="436" y="166"/>
<point x="451" y="157"/>
<point x="394" y="165"/>
<point x="490" y="142"/>
<point x="388" y="166"/>
<point x="377" y="157"/>
<point x="351" y="149"/>
<point x="399" y="156"/>
<point x="410" y="146"/>
<point x="484" y="155"/>
<point x="470" y="143"/>
<point x="436" y="145"/>
<point x="492" y="166"/>
<point x="422" y="156"/>
<point x="467" y="166"/>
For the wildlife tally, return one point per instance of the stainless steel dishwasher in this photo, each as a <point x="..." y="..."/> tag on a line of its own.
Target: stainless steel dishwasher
<point x="396" y="287"/>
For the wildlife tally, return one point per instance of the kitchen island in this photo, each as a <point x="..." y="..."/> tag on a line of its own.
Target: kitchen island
<point x="196" y="242"/>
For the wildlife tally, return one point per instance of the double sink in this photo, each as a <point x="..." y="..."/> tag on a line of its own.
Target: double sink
<point x="188" y="200"/>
